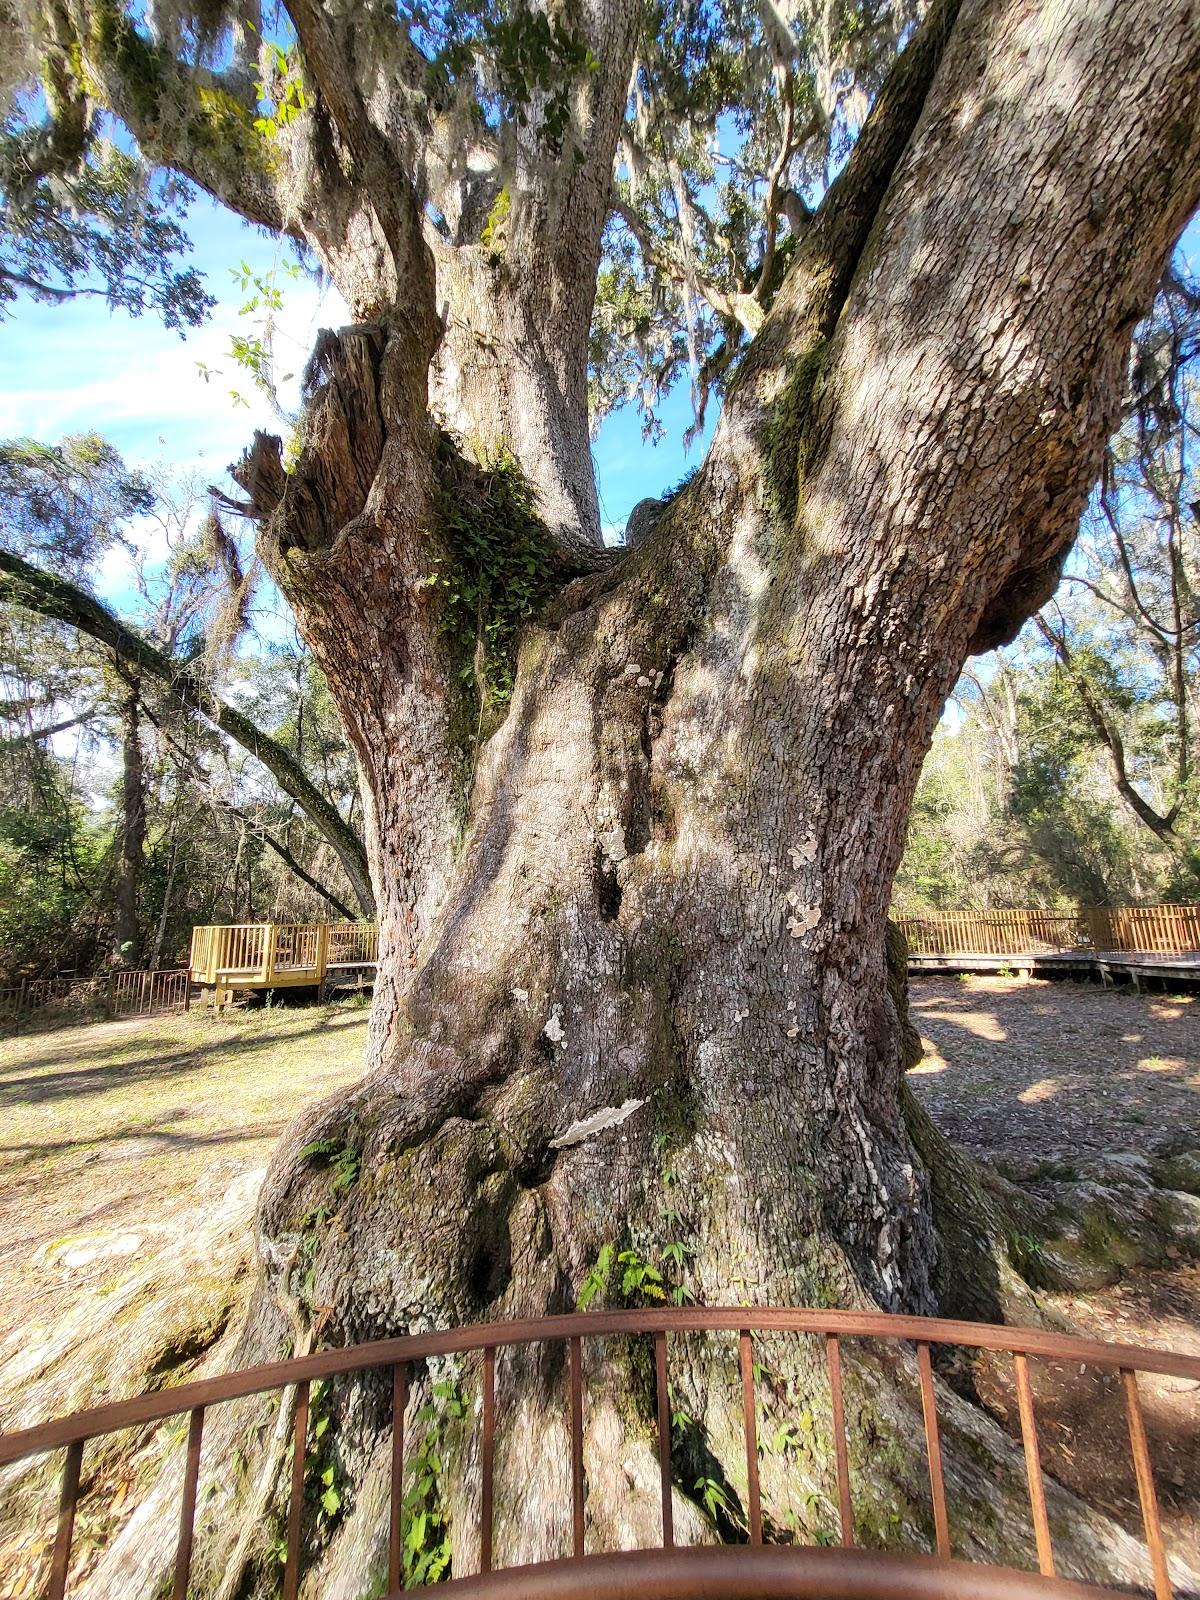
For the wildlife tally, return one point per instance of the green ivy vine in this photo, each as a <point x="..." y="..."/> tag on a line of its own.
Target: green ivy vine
<point x="498" y="568"/>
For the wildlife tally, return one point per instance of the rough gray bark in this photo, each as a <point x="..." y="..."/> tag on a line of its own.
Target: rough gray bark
<point x="645" y="918"/>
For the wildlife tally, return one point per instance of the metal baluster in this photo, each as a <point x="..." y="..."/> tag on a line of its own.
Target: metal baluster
<point x="576" y="1448"/>
<point x="489" y="1428"/>
<point x="845" y="1512"/>
<point x="291" y="1572"/>
<point x="746" y="1358"/>
<point x="1033" y="1468"/>
<point x="187" y="1509"/>
<point x="396" y="1523"/>
<point x="933" y="1446"/>
<point x="61" y="1559"/>
<point x="1145" y="1482"/>
<point x="664" y="1438"/>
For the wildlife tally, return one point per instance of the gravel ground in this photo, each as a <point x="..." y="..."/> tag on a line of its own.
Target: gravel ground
<point x="1025" y="1065"/>
<point x="1029" y="1066"/>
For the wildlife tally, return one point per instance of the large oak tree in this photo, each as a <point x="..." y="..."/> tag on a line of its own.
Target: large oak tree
<point x="633" y="816"/>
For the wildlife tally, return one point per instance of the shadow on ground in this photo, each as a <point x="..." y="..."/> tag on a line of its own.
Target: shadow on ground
<point x="1023" y="1066"/>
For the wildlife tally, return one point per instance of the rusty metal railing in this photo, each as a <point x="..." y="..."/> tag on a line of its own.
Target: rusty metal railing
<point x="755" y="1569"/>
<point x="114" y="994"/>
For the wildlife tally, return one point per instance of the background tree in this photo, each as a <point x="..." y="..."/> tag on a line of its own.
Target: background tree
<point x="1016" y="806"/>
<point x="1079" y="746"/>
<point x="79" y="215"/>
<point x="75" y="671"/>
<point x="636" y="820"/>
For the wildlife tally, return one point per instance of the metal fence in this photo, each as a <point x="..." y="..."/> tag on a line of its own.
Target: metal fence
<point x="115" y="994"/>
<point x="732" y="1571"/>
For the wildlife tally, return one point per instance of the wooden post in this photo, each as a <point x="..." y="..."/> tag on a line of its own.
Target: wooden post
<point x="322" y="953"/>
<point x="269" y="942"/>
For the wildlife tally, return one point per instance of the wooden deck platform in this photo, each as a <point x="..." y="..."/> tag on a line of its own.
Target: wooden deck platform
<point x="279" y="955"/>
<point x="1134" y="943"/>
<point x="1134" y="966"/>
<point x="1129" y="943"/>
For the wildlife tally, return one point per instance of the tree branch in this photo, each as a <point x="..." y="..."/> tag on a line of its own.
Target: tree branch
<point x="54" y="597"/>
<point x="1109" y="735"/>
<point x="1107" y="599"/>
<point x="778" y="172"/>
<point x="738" y="308"/>
<point x="828" y="253"/>
<point x="378" y="171"/>
<point x="200" y="123"/>
<point x="1110" y="517"/>
<point x="218" y="800"/>
<point x="36" y="735"/>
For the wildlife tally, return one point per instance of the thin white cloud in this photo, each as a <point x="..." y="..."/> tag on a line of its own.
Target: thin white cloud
<point x="141" y="385"/>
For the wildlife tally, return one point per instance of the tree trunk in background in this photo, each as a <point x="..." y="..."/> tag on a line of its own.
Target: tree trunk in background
<point x="51" y="595"/>
<point x="636" y="992"/>
<point x="131" y="838"/>
<point x="160" y="927"/>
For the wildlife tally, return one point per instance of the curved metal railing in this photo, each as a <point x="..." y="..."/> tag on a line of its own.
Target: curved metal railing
<point x="728" y="1571"/>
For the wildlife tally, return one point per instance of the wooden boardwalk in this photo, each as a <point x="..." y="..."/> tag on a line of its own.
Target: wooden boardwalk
<point x="1130" y="942"/>
<point x="1134" y="942"/>
<point x="280" y="955"/>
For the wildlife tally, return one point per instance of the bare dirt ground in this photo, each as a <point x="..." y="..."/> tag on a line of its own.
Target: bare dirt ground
<point x="1018" y="1066"/>
<point x="131" y="1155"/>
<point x="1028" y="1065"/>
<point x="118" y="1140"/>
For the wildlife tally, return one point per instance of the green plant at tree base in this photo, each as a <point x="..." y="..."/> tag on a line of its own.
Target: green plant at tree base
<point x="643" y="1280"/>
<point x="345" y="1164"/>
<point x="344" y="1161"/>
<point x="425" y="1554"/>
<point x="320" y="1469"/>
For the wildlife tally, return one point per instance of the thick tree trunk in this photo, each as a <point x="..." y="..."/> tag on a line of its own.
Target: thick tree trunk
<point x="131" y="835"/>
<point x="636" y="991"/>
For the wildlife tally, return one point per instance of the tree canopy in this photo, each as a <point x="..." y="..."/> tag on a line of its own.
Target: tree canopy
<point x="1073" y="774"/>
<point x="737" y="118"/>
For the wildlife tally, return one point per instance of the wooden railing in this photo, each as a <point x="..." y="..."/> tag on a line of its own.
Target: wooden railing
<point x="114" y="994"/>
<point x="261" y="954"/>
<point x="1163" y="929"/>
<point x="744" y="1570"/>
<point x="352" y="942"/>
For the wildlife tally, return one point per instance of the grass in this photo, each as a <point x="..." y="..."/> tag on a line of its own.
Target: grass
<point x="184" y="1078"/>
<point x="104" y="1126"/>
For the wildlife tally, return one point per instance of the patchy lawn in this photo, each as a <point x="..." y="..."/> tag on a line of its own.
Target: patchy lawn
<point x="111" y="1133"/>
<point x="131" y="1153"/>
<point x="131" y="1156"/>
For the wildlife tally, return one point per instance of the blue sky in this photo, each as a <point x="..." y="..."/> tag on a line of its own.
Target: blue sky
<point x="78" y="367"/>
